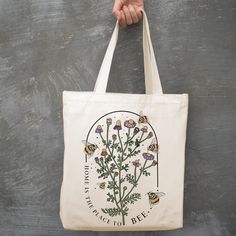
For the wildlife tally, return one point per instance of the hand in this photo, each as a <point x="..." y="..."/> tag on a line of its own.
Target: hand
<point x="128" y="12"/>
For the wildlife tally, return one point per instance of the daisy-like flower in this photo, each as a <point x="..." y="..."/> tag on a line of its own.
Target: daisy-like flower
<point x="130" y="123"/>
<point x="118" y="125"/>
<point x="136" y="163"/>
<point x="148" y="156"/>
<point x="144" y="129"/>
<point x="104" y="152"/>
<point x="99" y="129"/>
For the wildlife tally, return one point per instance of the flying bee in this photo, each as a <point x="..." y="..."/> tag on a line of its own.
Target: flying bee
<point x="102" y="185"/>
<point x="154" y="198"/>
<point x="89" y="148"/>
<point x="153" y="147"/>
<point x="142" y="119"/>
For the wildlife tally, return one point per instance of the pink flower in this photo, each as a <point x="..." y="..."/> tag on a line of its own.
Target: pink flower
<point x="99" y="129"/>
<point x="144" y="129"/>
<point x="129" y="123"/>
<point x="136" y="163"/>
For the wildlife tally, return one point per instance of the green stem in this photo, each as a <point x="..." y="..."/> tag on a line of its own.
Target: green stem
<point x="121" y="145"/>
<point x="108" y="171"/>
<point x="102" y="138"/>
<point x="140" y="141"/>
<point x="127" y="141"/>
<point x="115" y="197"/>
<point x="141" y="136"/>
<point x="132" y="136"/>
<point x="144" y="139"/>
<point x="111" y="153"/>
<point x="141" y="171"/>
<point x="148" y="167"/>
<point x="107" y="145"/>
<point x="135" y="172"/>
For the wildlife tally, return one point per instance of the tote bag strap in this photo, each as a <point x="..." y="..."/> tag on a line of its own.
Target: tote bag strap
<point x="152" y="78"/>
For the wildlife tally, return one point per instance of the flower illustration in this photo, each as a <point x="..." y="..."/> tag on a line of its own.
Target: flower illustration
<point x="114" y="137"/>
<point x="104" y="152"/>
<point x="148" y="156"/>
<point x="120" y="162"/>
<point x="150" y="134"/>
<point x="144" y="129"/>
<point x="154" y="163"/>
<point x="118" y="125"/>
<point x="109" y="121"/>
<point x="136" y="163"/>
<point x="136" y="130"/>
<point x="130" y="123"/>
<point x="99" y="129"/>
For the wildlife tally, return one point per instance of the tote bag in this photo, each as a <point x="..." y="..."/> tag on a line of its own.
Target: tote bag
<point x="124" y="153"/>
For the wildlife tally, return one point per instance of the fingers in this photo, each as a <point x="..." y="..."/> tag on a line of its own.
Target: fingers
<point x="138" y="12"/>
<point x="116" y="11"/>
<point x="117" y="7"/>
<point x="133" y="14"/>
<point x="126" y="15"/>
<point x="122" y="19"/>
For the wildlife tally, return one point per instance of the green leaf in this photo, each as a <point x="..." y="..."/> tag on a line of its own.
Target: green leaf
<point x="125" y="167"/>
<point x="110" y="198"/>
<point x="131" y="180"/>
<point x="146" y="173"/>
<point x="132" y="198"/>
<point x="111" y="211"/>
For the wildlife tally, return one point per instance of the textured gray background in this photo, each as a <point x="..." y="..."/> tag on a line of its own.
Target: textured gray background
<point x="50" y="46"/>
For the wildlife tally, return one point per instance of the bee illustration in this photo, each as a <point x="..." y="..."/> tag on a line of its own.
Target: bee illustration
<point x="142" y="119"/>
<point x="154" y="198"/>
<point x="102" y="185"/>
<point x="153" y="147"/>
<point x="89" y="148"/>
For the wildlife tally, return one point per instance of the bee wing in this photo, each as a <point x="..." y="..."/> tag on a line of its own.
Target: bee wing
<point x="160" y="194"/>
<point x="154" y="141"/>
<point x="86" y="143"/>
<point x="141" y="113"/>
<point x="90" y="154"/>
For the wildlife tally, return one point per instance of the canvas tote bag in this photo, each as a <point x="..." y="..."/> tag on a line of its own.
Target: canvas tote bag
<point x="124" y="153"/>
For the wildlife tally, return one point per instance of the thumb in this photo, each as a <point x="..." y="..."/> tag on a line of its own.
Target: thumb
<point x="116" y="14"/>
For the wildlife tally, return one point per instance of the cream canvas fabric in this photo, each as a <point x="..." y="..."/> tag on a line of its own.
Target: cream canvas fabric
<point x="124" y="153"/>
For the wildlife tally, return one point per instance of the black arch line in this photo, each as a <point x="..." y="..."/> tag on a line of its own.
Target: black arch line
<point x="86" y="156"/>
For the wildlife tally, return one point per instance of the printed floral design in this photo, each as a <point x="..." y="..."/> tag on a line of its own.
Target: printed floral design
<point x="121" y="163"/>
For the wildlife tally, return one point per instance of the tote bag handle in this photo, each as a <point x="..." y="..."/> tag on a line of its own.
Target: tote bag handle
<point x="152" y="78"/>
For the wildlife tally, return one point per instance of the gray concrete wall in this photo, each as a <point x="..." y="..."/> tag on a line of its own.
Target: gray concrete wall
<point x="50" y="46"/>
